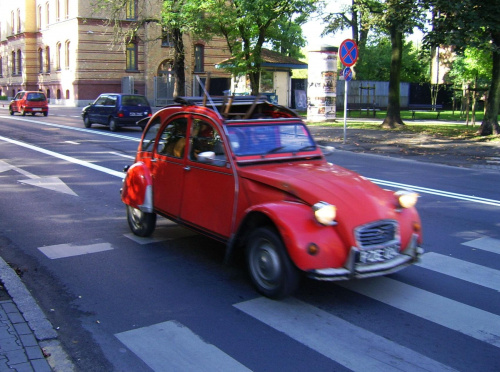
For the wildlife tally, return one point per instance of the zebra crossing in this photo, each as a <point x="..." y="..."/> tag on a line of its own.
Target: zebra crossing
<point x="342" y="341"/>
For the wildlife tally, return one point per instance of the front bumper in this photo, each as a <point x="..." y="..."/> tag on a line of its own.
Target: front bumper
<point x="354" y="270"/>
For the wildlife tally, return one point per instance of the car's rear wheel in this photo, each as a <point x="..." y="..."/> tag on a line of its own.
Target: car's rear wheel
<point x="141" y="223"/>
<point x="23" y="113"/>
<point x="86" y="121"/>
<point x="112" y="125"/>
<point x="270" y="268"/>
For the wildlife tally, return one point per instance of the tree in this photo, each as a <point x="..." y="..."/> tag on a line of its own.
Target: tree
<point x="472" y="23"/>
<point x="248" y="24"/>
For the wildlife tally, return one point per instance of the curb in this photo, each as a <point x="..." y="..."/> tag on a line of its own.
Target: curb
<point x="24" y="311"/>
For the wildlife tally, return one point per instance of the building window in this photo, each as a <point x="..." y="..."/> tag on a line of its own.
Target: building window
<point x="66" y="55"/>
<point x="1" y="67"/>
<point x="12" y="25"/>
<point x="67" y="93"/>
<point x="131" y="9"/>
<point x="132" y="56"/>
<point x="40" y="60"/>
<point x="39" y="17"/>
<point x="19" y="21"/>
<point x="47" y="14"/>
<point x="58" y="57"/>
<point x="66" y="11"/>
<point x="47" y="59"/>
<point x="58" y="11"/>
<point x="198" y="58"/>
<point x="166" y="39"/>
<point x="19" y="62"/>
<point x="13" y="63"/>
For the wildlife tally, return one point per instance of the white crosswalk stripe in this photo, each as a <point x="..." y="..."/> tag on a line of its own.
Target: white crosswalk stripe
<point x="339" y="340"/>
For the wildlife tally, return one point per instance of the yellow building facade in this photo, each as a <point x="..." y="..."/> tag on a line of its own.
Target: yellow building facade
<point x="69" y="51"/>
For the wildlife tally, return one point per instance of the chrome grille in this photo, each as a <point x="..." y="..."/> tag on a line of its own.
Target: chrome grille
<point x="376" y="233"/>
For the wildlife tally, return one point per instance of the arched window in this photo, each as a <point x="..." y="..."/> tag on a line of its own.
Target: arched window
<point x="40" y="60"/>
<point x="19" y="62"/>
<point x="1" y="66"/>
<point x="58" y="94"/>
<point x="39" y="17"/>
<point x="12" y="25"/>
<point x="47" y="13"/>
<point x="66" y="54"/>
<point x="47" y="59"/>
<point x="13" y="63"/>
<point x="66" y="10"/>
<point x="18" y="21"/>
<point x="58" y="57"/>
<point x="58" y="10"/>
<point x="67" y="93"/>
<point x="131" y="57"/>
<point x="199" y="58"/>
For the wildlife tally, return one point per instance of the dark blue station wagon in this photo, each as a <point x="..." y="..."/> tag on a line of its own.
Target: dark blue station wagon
<point x="116" y="110"/>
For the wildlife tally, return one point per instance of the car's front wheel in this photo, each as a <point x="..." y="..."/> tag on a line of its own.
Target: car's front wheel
<point x="86" y="121"/>
<point x="270" y="268"/>
<point x="141" y="223"/>
<point x="11" y="111"/>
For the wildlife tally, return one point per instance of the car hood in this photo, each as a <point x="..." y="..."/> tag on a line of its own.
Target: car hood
<point x="311" y="182"/>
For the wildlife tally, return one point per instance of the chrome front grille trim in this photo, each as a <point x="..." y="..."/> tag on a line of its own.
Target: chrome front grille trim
<point x="377" y="234"/>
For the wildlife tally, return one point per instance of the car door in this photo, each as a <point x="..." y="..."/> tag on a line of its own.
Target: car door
<point x="95" y="110"/>
<point x="18" y="99"/>
<point x="209" y="185"/>
<point x="168" y="165"/>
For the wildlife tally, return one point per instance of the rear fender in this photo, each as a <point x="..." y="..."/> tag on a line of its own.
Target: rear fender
<point x="299" y="229"/>
<point x="137" y="188"/>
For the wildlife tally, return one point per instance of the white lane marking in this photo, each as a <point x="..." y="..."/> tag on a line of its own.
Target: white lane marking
<point x="454" y="315"/>
<point x="425" y="190"/>
<point x="91" y="131"/>
<point x="485" y="244"/>
<point x="72" y="142"/>
<point x="463" y="270"/>
<point x="69" y="250"/>
<point x="66" y="158"/>
<point x="170" y="346"/>
<point x="122" y="155"/>
<point x="337" y="339"/>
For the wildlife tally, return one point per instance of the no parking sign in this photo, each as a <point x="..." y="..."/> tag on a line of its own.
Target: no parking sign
<point x="348" y="52"/>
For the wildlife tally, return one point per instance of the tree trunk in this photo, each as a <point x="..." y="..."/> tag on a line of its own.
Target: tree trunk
<point x="178" y="64"/>
<point x="393" y="118"/>
<point x="490" y="121"/>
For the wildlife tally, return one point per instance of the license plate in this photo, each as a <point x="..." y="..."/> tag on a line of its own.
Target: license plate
<point x="37" y="109"/>
<point x="136" y="114"/>
<point x="378" y="255"/>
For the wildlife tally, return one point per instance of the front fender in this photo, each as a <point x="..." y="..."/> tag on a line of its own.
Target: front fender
<point x="137" y="188"/>
<point x="299" y="229"/>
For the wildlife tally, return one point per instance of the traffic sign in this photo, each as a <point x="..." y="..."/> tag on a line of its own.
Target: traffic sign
<point x="348" y="52"/>
<point x="347" y="74"/>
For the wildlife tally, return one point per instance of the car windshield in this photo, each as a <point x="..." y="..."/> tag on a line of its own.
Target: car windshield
<point x="35" y="97"/>
<point x="134" y="101"/>
<point x="269" y="139"/>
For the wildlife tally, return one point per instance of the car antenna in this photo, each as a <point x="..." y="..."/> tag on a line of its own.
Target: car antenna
<point x="206" y="95"/>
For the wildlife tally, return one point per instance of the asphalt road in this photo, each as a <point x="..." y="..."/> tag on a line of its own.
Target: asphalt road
<point x="169" y="303"/>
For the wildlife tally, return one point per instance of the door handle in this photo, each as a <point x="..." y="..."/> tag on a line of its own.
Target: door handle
<point x="187" y="168"/>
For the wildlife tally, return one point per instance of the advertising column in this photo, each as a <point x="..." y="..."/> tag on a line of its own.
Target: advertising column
<point x="322" y="84"/>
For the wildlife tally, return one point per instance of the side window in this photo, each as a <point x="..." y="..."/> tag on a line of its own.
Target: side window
<point x="149" y="137"/>
<point x="101" y="101"/>
<point x="111" y="101"/>
<point x="173" y="139"/>
<point x="206" y="138"/>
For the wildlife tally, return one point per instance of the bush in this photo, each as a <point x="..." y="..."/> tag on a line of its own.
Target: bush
<point x="3" y="98"/>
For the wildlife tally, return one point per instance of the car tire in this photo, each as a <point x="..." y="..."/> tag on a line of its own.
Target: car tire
<point x="86" y="121"/>
<point x="113" y="127"/>
<point x="271" y="270"/>
<point x="45" y="113"/>
<point x="11" y="111"/>
<point x="23" y="113"/>
<point x="141" y="223"/>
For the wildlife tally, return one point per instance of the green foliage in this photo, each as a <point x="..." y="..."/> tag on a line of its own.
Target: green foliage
<point x="472" y="64"/>
<point x="375" y="61"/>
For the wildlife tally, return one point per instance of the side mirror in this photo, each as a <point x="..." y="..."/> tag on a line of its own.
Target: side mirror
<point x="327" y="150"/>
<point x="206" y="157"/>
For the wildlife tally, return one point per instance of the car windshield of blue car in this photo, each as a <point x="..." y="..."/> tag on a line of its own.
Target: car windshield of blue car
<point x="248" y="140"/>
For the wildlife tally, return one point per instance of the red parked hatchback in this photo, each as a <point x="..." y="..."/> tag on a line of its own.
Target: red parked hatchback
<point x="248" y="173"/>
<point x="29" y="102"/>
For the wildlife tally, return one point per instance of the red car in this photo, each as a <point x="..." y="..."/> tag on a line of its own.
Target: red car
<point x="27" y="102"/>
<point x="249" y="174"/>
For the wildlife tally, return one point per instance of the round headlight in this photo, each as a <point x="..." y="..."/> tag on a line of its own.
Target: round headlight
<point x="406" y="199"/>
<point x="325" y="213"/>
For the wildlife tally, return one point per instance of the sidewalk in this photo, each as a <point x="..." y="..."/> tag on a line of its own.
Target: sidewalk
<point x="28" y="342"/>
